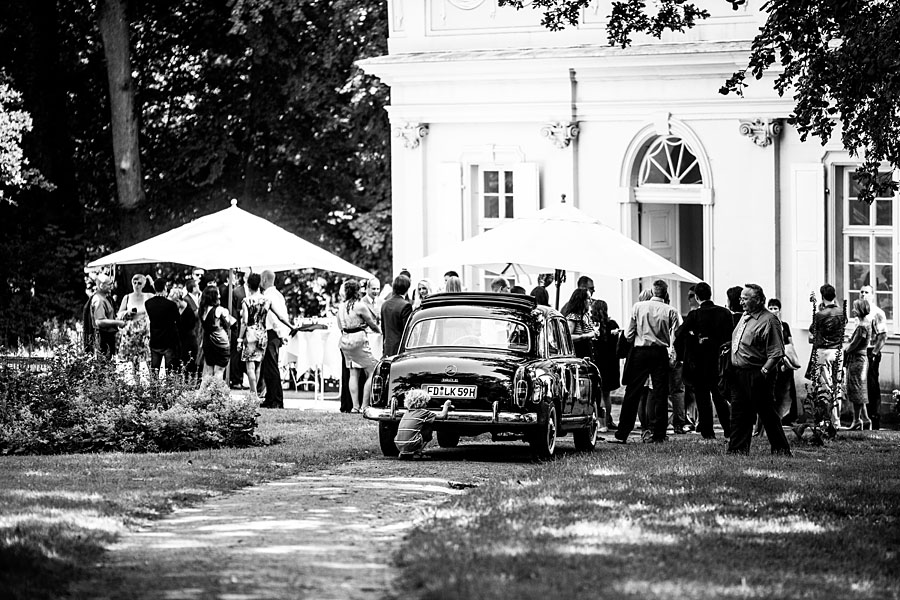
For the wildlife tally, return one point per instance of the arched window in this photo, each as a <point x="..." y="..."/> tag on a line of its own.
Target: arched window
<point x="669" y="161"/>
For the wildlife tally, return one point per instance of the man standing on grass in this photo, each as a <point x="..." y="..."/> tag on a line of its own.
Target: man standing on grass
<point x="698" y="341"/>
<point x="276" y="331"/>
<point x="164" y="339"/>
<point x="103" y="316"/>
<point x="757" y="346"/>
<point x="877" y="337"/>
<point x="651" y="329"/>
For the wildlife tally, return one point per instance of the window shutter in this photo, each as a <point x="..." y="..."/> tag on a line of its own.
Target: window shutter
<point x="527" y="191"/>
<point x="446" y="215"/>
<point x="807" y="189"/>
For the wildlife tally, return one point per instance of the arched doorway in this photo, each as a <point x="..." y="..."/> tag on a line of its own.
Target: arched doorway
<point x="668" y="204"/>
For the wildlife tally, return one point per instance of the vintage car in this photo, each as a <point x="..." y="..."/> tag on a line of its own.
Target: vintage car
<point x="507" y="365"/>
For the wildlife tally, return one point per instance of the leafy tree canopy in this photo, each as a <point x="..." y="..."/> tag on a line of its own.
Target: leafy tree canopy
<point x="839" y="59"/>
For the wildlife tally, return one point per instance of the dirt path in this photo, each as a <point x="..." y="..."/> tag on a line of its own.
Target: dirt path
<point x="327" y="534"/>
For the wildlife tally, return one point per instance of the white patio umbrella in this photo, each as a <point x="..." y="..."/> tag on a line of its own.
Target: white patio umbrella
<point x="558" y="237"/>
<point x="229" y="239"/>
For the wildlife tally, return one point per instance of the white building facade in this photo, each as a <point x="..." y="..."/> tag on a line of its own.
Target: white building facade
<point x="494" y="116"/>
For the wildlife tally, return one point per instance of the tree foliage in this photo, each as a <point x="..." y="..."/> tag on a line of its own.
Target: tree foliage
<point x="838" y="59"/>
<point x="258" y="100"/>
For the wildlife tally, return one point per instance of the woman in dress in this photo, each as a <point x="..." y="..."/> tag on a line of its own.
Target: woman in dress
<point x="134" y="338"/>
<point x="423" y="290"/>
<point x="216" y="322"/>
<point x="577" y="312"/>
<point x="603" y="353"/>
<point x="252" y="336"/>
<point x="857" y="365"/>
<point x="187" y="327"/>
<point x="353" y="316"/>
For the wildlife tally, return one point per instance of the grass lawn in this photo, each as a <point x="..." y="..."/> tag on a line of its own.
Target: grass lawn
<point x="673" y="521"/>
<point x="58" y="512"/>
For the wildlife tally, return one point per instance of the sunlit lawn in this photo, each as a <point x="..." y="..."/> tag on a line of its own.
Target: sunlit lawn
<point x="681" y="520"/>
<point x="57" y="512"/>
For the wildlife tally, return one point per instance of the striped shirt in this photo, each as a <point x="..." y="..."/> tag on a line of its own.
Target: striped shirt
<point x="414" y="430"/>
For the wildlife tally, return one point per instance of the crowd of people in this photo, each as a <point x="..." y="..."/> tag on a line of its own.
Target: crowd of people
<point x="736" y="361"/>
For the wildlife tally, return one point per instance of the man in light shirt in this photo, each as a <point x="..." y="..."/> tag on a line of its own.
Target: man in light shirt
<point x="651" y="328"/>
<point x="276" y="333"/>
<point x="876" y="343"/>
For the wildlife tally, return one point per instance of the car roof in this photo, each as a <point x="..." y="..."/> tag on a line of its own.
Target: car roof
<point x="514" y="302"/>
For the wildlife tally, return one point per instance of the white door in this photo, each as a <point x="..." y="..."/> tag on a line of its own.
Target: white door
<point x="659" y="232"/>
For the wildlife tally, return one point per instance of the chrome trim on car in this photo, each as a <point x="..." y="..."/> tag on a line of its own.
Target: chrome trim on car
<point x="475" y="416"/>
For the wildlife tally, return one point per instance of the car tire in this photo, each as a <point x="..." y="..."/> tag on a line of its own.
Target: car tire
<point x="586" y="439"/>
<point x="543" y="440"/>
<point x="447" y="439"/>
<point x="387" y="431"/>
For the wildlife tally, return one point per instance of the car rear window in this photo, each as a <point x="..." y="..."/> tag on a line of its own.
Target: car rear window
<point x="469" y="332"/>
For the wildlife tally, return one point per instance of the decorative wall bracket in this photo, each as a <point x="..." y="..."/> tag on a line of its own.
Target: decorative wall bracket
<point x="411" y="134"/>
<point x="762" y="131"/>
<point x="561" y="134"/>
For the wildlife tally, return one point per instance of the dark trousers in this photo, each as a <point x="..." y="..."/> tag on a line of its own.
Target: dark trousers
<point x="706" y="394"/>
<point x="106" y="343"/>
<point x="156" y="358"/>
<point x="753" y="394"/>
<point x="873" y="389"/>
<point x="270" y="374"/>
<point x="644" y="361"/>
<point x="236" y="366"/>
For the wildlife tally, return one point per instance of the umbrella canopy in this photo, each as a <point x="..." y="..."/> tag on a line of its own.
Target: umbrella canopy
<point x="232" y="238"/>
<point x="558" y="237"/>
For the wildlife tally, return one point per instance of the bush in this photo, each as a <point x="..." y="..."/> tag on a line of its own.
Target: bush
<point x="81" y="403"/>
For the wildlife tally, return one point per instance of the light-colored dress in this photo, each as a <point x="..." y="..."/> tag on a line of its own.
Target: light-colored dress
<point x="354" y="343"/>
<point x="255" y="340"/>
<point x="134" y="338"/>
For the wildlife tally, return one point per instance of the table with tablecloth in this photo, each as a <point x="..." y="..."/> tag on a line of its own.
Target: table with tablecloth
<point x="315" y="346"/>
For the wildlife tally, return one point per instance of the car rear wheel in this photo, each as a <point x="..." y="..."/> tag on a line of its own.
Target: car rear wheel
<point x="543" y="441"/>
<point x="387" y="431"/>
<point x="586" y="439"/>
<point x="447" y="439"/>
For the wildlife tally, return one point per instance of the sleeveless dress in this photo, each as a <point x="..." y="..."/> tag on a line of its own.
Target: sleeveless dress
<point x="216" y="342"/>
<point x="603" y="353"/>
<point x="134" y="338"/>
<point x="255" y="340"/>
<point x="355" y="346"/>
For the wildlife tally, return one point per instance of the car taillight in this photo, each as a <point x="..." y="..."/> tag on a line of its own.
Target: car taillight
<point x="377" y="387"/>
<point x="521" y="392"/>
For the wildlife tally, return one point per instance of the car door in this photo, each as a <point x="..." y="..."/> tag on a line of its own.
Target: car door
<point x="567" y="368"/>
<point x="579" y="378"/>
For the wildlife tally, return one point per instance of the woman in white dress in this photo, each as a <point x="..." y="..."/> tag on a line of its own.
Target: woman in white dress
<point x="134" y="338"/>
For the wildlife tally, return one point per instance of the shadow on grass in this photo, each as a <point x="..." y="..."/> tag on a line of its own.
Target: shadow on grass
<point x="59" y="513"/>
<point x="678" y="521"/>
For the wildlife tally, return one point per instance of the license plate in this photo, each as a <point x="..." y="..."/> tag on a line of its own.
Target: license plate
<point x="450" y="391"/>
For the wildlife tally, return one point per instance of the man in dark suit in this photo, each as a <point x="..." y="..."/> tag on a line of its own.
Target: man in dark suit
<point x="697" y="344"/>
<point x="394" y="314"/>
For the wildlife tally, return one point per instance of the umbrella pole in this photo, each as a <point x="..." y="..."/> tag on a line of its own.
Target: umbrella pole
<point x="558" y="276"/>
<point x="230" y="296"/>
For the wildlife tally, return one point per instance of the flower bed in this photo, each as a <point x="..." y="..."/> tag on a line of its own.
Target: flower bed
<point x="79" y="403"/>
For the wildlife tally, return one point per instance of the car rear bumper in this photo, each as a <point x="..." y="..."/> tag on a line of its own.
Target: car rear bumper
<point x="459" y="416"/>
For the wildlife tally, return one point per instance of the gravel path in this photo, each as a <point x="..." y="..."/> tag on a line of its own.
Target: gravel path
<point x="328" y="534"/>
